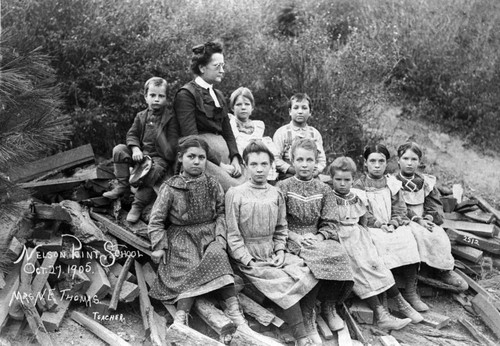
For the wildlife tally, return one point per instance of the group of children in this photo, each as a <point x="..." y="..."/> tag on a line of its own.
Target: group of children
<point x="297" y="241"/>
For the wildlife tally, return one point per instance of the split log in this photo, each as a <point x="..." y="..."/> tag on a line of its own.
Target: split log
<point x="52" y="319"/>
<point x="82" y="225"/>
<point x="491" y="245"/>
<point x="73" y="283"/>
<point x="323" y="328"/>
<point x="245" y="336"/>
<point x="116" y="269"/>
<point x="439" y="284"/>
<point x="458" y="192"/>
<point x="480" y="216"/>
<point x="261" y="314"/>
<point x="100" y="308"/>
<point x="487" y="207"/>
<point x="123" y="234"/>
<point x="54" y="243"/>
<point x="474" y="332"/>
<point x="468" y="253"/>
<point x="119" y="283"/>
<point x="99" y="282"/>
<point x="146" y="308"/>
<point x="455" y="216"/>
<point x="182" y="335"/>
<point x="213" y="317"/>
<point x="488" y="313"/>
<point x="435" y="320"/>
<point x="28" y="305"/>
<point x="480" y="229"/>
<point x="15" y="248"/>
<point x="149" y="274"/>
<point x="388" y="340"/>
<point x="479" y="289"/>
<point x="50" y="212"/>
<point x="466" y="205"/>
<point x="98" y="329"/>
<point x="67" y="159"/>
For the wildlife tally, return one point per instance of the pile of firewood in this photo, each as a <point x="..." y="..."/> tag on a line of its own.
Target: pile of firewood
<point x="74" y="256"/>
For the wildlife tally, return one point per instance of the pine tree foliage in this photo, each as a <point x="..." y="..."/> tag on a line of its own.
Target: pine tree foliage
<point x="31" y="123"/>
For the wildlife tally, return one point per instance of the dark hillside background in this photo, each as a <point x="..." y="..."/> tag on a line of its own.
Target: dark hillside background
<point x="438" y="58"/>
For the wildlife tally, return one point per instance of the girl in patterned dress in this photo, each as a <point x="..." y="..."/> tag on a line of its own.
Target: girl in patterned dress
<point x="387" y="222"/>
<point x="188" y="236"/>
<point x="257" y="234"/>
<point x="371" y="276"/>
<point x="312" y="236"/>
<point x="426" y="213"/>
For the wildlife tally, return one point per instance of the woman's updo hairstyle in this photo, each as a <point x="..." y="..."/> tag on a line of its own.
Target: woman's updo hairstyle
<point x="410" y="146"/>
<point x="376" y="148"/>
<point x="202" y="54"/>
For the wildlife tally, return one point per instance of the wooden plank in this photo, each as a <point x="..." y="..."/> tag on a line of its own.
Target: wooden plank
<point x="123" y="234"/>
<point x="28" y="305"/>
<point x="449" y="203"/>
<point x="98" y="329"/>
<point x="147" y="310"/>
<point x="8" y="294"/>
<point x="58" y="162"/>
<point x="458" y="192"/>
<point x="361" y="312"/>
<point x="474" y="332"/>
<point x="149" y="274"/>
<point x="53" y="244"/>
<point x="351" y="324"/>
<point x="181" y="335"/>
<point x="481" y="229"/>
<point x="43" y="271"/>
<point x="480" y="216"/>
<point x="435" y="320"/>
<point x="467" y="252"/>
<point x="116" y="268"/>
<point x="491" y="245"/>
<point x="344" y="338"/>
<point x="488" y="207"/>
<point x="323" y="328"/>
<point x="52" y="319"/>
<point x="455" y="216"/>
<point x="50" y="212"/>
<point x="388" y="340"/>
<point x="479" y="289"/>
<point x="160" y="323"/>
<point x="52" y="185"/>
<point x="99" y="282"/>
<point x="488" y="313"/>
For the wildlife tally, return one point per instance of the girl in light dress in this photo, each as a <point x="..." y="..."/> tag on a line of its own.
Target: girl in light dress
<point x="371" y="276"/>
<point x="425" y="210"/>
<point x="257" y="236"/>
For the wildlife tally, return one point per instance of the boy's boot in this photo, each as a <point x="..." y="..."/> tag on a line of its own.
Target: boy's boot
<point x="122" y="174"/>
<point x="332" y="318"/>
<point x="411" y="295"/>
<point x="143" y="197"/>
<point x="233" y="311"/>
<point x="308" y="306"/>
<point x="405" y="308"/>
<point x="386" y="321"/>
<point x="451" y="278"/>
<point x="181" y="317"/>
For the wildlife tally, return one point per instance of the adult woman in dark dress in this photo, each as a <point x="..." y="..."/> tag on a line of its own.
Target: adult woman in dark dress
<point x="202" y="110"/>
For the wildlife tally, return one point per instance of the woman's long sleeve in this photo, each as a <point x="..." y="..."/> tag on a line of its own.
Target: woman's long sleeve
<point x="434" y="207"/>
<point x="328" y="223"/>
<point x="220" y="209"/>
<point x="235" y="241"/>
<point x="185" y="111"/>
<point x="399" y="210"/>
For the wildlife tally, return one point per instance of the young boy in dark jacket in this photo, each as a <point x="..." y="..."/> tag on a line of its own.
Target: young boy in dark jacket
<point x="154" y="133"/>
